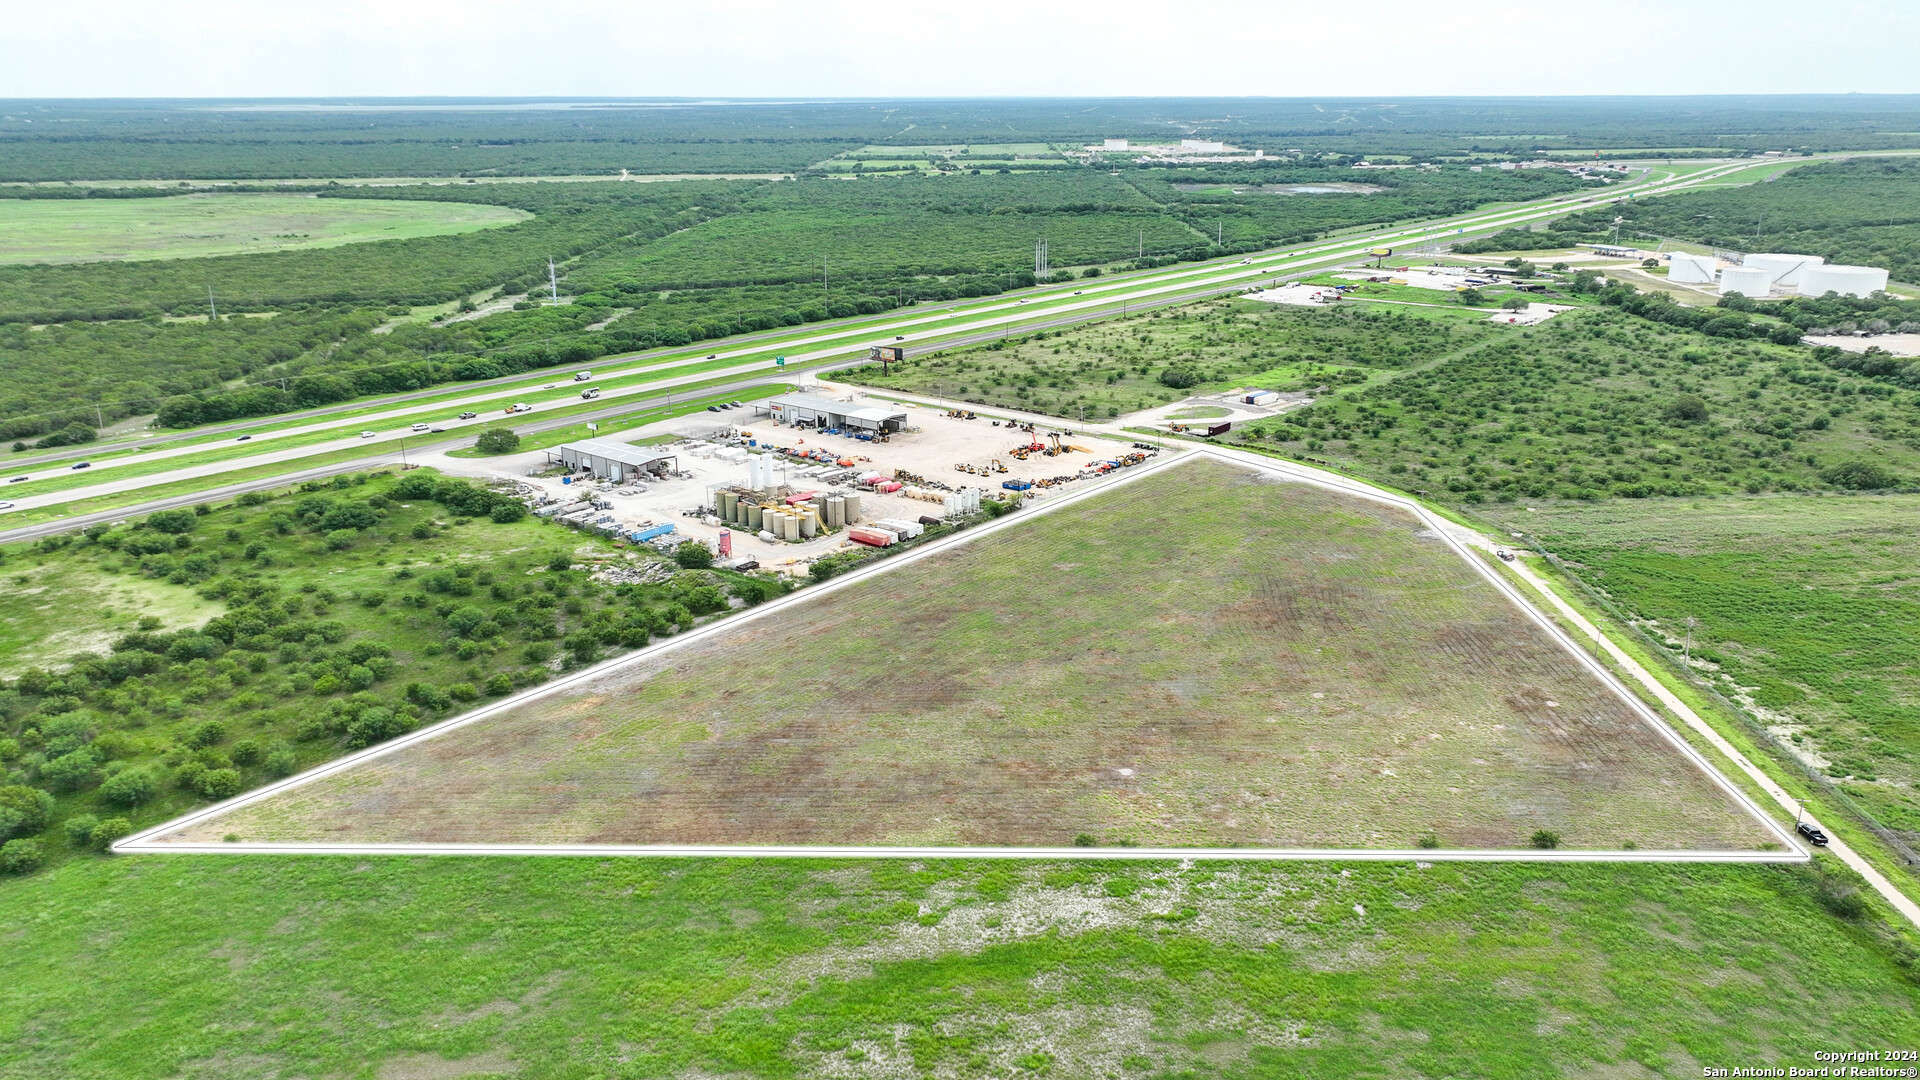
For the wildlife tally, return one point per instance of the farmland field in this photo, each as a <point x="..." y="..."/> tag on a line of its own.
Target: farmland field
<point x="89" y="230"/>
<point x="1319" y="672"/>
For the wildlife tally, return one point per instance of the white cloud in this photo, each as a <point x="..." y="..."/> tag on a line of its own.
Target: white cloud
<point x="744" y="48"/>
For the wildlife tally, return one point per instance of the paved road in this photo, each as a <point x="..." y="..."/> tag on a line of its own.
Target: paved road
<point x="1056" y="306"/>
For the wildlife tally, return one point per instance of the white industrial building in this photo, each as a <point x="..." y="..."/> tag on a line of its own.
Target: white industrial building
<point x="1692" y="269"/>
<point x="611" y="460"/>
<point x="1845" y="280"/>
<point x="828" y="413"/>
<point x="1114" y="144"/>
<point x="1753" y="281"/>
<point x="1202" y="145"/>
<point x="1786" y="269"/>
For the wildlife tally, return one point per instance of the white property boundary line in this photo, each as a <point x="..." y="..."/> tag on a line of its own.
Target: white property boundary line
<point x="148" y="840"/>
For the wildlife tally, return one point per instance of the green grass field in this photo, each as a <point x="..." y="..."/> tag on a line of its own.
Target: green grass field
<point x="1318" y="673"/>
<point x="208" y="966"/>
<point x="1114" y="367"/>
<point x="93" y="230"/>
<point x="1808" y="608"/>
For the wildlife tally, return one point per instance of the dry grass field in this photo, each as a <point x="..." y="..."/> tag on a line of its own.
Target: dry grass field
<point x="1207" y="656"/>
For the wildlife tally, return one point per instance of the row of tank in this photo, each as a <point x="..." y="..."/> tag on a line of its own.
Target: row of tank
<point x="789" y="518"/>
<point x="1762" y="272"/>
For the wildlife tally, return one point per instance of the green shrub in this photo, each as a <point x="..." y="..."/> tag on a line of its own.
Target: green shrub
<point x="280" y="763"/>
<point x="217" y="784"/>
<point x="209" y="733"/>
<point x="1546" y="839"/>
<point x="20" y="856"/>
<point x="497" y="441"/>
<point x="23" y="810"/>
<point x="79" y="828"/>
<point x="129" y="788"/>
<point x="693" y="555"/>
<point x="105" y="833"/>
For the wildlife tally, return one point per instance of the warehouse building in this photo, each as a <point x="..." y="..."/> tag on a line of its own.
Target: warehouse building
<point x="827" y="413"/>
<point x="611" y="460"/>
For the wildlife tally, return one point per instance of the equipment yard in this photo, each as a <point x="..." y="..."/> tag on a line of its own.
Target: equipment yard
<point x="1207" y="655"/>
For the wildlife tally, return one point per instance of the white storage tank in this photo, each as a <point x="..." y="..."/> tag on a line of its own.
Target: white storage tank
<point x="1692" y="269"/>
<point x="1746" y="280"/>
<point x="1845" y="280"/>
<point x="1786" y="269"/>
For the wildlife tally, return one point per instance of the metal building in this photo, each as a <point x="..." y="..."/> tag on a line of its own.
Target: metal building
<point x="611" y="460"/>
<point x="828" y="413"/>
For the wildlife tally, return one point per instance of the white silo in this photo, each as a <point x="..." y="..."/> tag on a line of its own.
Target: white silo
<point x="1746" y="280"/>
<point x="1692" y="269"/>
<point x="1845" y="280"/>
<point x="1786" y="269"/>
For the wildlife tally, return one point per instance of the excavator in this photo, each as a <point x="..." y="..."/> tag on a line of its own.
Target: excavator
<point x="998" y="466"/>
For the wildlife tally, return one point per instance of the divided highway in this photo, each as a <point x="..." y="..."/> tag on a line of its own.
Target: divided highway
<point x="642" y="381"/>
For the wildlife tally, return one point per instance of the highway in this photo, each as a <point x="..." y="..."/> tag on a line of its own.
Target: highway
<point x="639" y="381"/>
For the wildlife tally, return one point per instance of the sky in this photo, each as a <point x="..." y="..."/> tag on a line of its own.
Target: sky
<point x="900" y="48"/>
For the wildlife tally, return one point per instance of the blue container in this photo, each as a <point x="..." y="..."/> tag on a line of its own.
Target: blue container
<point x="566" y="479"/>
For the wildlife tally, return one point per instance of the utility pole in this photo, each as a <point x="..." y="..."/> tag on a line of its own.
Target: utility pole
<point x="212" y="314"/>
<point x="553" y="280"/>
<point x="823" y="277"/>
<point x="1686" y="651"/>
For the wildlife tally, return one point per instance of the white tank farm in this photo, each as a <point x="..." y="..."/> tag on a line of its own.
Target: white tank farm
<point x="1845" y="280"/>
<point x="1786" y="269"/>
<point x="1746" y="280"/>
<point x="1692" y="269"/>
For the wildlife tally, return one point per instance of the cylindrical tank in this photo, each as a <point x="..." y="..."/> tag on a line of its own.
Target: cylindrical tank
<point x="809" y="526"/>
<point x="726" y="544"/>
<point x="1746" y="280"/>
<point x="1845" y="280"/>
<point x="790" y="526"/>
<point x="728" y="500"/>
<point x="1692" y="269"/>
<point x="1787" y="270"/>
<point x="852" y="504"/>
<point x="836" y="512"/>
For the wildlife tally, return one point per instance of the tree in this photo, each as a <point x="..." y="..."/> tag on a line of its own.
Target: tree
<point x="1179" y="378"/>
<point x="173" y="522"/>
<point x="129" y="788"/>
<point x="497" y="441"/>
<point x="508" y="511"/>
<point x="1471" y="297"/>
<point x="23" y="810"/>
<point x="105" y="833"/>
<point x="1687" y="409"/>
<point x="1546" y="839"/>
<point x="692" y="555"/>
<point x="1859" y="476"/>
<point x="1516" y="302"/>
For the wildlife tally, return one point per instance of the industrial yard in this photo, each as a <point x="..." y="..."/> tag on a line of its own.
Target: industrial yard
<point x="1207" y="654"/>
<point x="782" y="491"/>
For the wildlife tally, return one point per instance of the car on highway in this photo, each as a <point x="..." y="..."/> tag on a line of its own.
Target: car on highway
<point x="713" y="356"/>
<point x="466" y="416"/>
<point x="738" y="405"/>
<point x="82" y="465"/>
<point x="418" y="427"/>
<point x="1077" y="292"/>
<point x="17" y="479"/>
<point x="1023" y="301"/>
<point x="713" y="408"/>
<point x="366" y="434"/>
<point x="551" y="386"/>
<point x="1812" y="832"/>
<point x="243" y="438"/>
<point x="899" y="337"/>
<point x="520" y="407"/>
<point x="5" y="505"/>
<point x="437" y="430"/>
